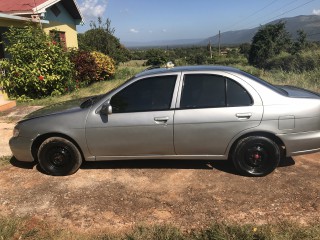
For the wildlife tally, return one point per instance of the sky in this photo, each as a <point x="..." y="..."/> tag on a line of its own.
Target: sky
<point x="157" y="20"/>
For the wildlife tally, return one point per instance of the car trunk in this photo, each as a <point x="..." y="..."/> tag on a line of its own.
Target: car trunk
<point x="299" y="92"/>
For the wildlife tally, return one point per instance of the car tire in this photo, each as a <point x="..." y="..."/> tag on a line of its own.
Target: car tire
<point x="59" y="157"/>
<point x="256" y="156"/>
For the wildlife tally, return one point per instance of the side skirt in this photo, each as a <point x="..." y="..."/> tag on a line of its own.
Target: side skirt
<point x="149" y="157"/>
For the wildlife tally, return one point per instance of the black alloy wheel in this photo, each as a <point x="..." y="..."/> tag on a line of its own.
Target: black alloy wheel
<point x="256" y="156"/>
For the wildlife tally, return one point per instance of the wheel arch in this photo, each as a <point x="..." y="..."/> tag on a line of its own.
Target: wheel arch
<point x="269" y="135"/>
<point x="41" y="138"/>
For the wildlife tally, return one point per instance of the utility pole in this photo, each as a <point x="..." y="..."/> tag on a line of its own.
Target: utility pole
<point x="210" y="48"/>
<point x="219" y="43"/>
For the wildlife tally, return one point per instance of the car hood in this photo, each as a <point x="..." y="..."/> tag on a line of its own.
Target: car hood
<point x="299" y="92"/>
<point x="63" y="107"/>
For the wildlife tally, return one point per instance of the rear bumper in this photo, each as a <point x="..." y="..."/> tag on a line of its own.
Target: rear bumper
<point x="21" y="148"/>
<point x="301" y="143"/>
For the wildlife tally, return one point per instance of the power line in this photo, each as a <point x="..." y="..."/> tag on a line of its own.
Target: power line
<point x="286" y="5"/>
<point x="254" y="13"/>
<point x="291" y="10"/>
<point x="313" y="34"/>
<point x="283" y="6"/>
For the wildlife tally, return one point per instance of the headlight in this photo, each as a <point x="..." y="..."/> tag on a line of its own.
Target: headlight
<point x="16" y="131"/>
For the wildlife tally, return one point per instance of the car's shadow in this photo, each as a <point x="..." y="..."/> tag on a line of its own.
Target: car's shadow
<point x="20" y="164"/>
<point x="221" y="165"/>
<point x="286" y="162"/>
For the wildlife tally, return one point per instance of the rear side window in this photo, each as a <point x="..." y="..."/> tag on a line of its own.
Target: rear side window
<point x="237" y="95"/>
<point x="205" y="90"/>
<point x="149" y="94"/>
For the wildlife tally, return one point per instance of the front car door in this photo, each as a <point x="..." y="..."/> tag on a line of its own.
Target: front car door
<point x="212" y="109"/>
<point x="141" y="123"/>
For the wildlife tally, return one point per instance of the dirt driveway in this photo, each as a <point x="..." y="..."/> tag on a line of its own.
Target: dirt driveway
<point x="117" y="195"/>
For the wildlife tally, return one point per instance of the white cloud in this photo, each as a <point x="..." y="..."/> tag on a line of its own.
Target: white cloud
<point x="164" y="30"/>
<point x="316" y="11"/>
<point x="93" y="8"/>
<point x="134" y="30"/>
<point x="124" y="11"/>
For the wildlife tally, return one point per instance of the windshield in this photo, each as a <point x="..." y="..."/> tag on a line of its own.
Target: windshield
<point x="92" y="100"/>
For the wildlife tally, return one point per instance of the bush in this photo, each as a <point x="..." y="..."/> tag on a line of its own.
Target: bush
<point x="85" y="67"/>
<point x="105" y="66"/>
<point x="37" y="66"/>
<point x="304" y="61"/>
<point x="156" y="57"/>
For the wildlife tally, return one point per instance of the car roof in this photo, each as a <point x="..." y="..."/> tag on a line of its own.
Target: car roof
<point x="153" y="71"/>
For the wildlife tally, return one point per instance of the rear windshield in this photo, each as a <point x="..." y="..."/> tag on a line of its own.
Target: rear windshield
<point x="266" y="84"/>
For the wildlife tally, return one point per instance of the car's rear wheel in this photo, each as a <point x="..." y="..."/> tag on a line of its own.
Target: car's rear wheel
<point x="58" y="156"/>
<point x="256" y="156"/>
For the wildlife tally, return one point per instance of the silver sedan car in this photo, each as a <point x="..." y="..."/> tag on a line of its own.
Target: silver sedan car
<point x="198" y="112"/>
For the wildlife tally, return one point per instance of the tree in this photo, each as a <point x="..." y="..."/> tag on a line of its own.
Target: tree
<point x="268" y="42"/>
<point x="156" y="57"/>
<point x="101" y="38"/>
<point x="245" y="49"/>
<point x="301" y="42"/>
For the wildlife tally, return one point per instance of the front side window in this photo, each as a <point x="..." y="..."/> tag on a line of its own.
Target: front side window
<point x="205" y="90"/>
<point x="149" y="94"/>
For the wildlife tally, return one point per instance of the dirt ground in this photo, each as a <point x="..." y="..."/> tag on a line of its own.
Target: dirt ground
<point x="188" y="194"/>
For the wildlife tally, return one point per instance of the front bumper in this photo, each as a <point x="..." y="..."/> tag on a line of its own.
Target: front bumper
<point x="301" y="143"/>
<point x="21" y="148"/>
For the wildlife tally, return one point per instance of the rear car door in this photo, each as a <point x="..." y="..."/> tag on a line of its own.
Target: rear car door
<point x="212" y="109"/>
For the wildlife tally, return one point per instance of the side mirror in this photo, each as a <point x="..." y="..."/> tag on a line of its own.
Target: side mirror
<point x="106" y="109"/>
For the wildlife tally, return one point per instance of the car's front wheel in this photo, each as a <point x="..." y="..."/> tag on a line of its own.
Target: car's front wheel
<point x="58" y="156"/>
<point x="256" y="156"/>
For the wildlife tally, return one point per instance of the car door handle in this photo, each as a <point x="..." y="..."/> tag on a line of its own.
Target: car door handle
<point x="161" y="119"/>
<point x="243" y="115"/>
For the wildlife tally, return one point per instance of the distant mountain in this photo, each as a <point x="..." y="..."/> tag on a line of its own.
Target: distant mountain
<point x="309" y="23"/>
<point x="178" y="42"/>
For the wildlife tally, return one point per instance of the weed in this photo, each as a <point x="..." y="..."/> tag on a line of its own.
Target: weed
<point x="4" y="161"/>
<point x="10" y="228"/>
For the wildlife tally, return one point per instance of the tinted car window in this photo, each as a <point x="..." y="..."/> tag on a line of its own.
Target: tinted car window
<point x="150" y="94"/>
<point x="204" y="90"/>
<point x="237" y="95"/>
<point x="201" y="91"/>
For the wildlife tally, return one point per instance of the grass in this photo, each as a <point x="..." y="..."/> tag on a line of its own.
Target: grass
<point x="8" y="228"/>
<point x="13" y="228"/>
<point x="308" y="80"/>
<point x="4" y="161"/>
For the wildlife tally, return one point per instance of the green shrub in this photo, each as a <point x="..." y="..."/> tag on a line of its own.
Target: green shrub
<point x="304" y="61"/>
<point x="105" y="66"/>
<point x="85" y="67"/>
<point x="156" y="57"/>
<point x="37" y="66"/>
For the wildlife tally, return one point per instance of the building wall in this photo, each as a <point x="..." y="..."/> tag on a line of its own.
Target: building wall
<point x="71" y="32"/>
<point x="64" y="23"/>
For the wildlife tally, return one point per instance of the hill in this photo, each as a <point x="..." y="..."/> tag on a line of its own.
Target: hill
<point x="309" y="23"/>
